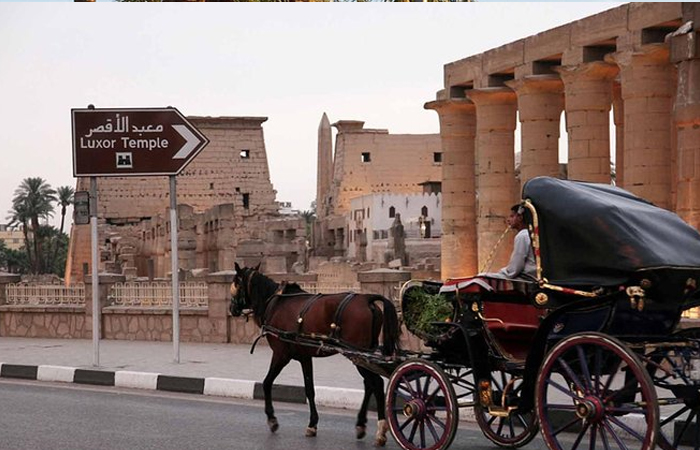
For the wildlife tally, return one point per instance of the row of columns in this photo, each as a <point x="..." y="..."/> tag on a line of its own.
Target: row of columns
<point x="479" y="184"/>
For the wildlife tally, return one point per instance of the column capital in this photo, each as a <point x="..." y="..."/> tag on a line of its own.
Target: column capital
<point x="648" y="54"/>
<point x="451" y="105"/>
<point x="492" y="96"/>
<point x="597" y="70"/>
<point x="535" y="84"/>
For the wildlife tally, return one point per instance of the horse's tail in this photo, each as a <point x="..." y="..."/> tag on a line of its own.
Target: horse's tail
<point x="392" y="331"/>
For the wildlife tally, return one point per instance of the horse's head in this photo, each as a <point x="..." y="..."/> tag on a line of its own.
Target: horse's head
<point x="240" y="290"/>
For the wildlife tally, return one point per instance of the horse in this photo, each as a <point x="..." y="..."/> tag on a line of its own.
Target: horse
<point x="297" y="324"/>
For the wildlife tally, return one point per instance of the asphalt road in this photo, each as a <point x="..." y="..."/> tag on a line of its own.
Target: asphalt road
<point x="38" y="416"/>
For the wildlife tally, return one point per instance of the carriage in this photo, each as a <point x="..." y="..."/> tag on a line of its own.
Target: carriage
<point x="592" y="353"/>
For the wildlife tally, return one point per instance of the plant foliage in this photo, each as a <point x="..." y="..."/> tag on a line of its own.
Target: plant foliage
<point x="421" y="310"/>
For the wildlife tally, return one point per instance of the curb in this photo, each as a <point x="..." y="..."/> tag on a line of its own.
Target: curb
<point x="221" y="387"/>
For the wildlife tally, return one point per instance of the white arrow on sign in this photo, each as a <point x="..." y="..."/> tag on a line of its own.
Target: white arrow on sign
<point x="191" y="141"/>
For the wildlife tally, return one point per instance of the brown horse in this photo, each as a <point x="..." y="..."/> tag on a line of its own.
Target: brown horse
<point x="295" y="322"/>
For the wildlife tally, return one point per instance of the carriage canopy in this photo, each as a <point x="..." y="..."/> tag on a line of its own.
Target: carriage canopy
<point x="598" y="235"/>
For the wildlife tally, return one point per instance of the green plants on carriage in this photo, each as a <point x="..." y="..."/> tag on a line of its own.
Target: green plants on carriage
<point x="422" y="309"/>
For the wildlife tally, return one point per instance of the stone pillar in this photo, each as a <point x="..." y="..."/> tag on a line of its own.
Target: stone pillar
<point x="496" y="184"/>
<point x="458" y="242"/>
<point x="540" y="103"/>
<point x="588" y="96"/>
<point x="382" y="281"/>
<point x="647" y="94"/>
<point x="5" y="279"/>
<point x="685" y="53"/>
<point x="324" y="166"/>
<point x="105" y="280"/>
<point x="619" y="120"/>
<point x="219" y="284"/>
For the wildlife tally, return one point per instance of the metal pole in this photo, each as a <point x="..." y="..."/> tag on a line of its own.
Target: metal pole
<point x="95" y="277"/>
<point x="175" y="269"/>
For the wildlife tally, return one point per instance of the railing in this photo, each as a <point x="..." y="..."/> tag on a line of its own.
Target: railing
<point x="192" y="294"/>
<point x="20" y="294"/>
<point x="329" y="288"/>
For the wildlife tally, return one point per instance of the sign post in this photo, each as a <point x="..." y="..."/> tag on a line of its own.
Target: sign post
<point x="133" y="142"/>
<point x="96" y="311"/>
<point x="175" y="269"/>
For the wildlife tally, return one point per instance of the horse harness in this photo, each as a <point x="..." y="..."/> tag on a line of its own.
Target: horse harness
<point x="299" y="335"/>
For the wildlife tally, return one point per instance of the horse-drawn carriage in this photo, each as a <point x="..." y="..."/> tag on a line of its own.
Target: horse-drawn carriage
<point x="592" y="353"/>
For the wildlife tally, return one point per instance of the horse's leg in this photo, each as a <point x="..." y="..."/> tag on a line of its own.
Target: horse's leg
<point x="308" y="371"/>
<point x="361" y="424"/>
<point x="382" y="425"/>
<point x="276" y="365"/>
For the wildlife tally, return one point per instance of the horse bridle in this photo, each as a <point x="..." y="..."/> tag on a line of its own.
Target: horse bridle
<point x="242" y="296"/>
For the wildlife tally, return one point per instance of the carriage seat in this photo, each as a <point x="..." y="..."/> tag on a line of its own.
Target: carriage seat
<point x="509" y="302"/>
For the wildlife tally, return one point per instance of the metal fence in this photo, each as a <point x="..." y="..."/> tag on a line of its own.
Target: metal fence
<point x="158" y="293"/>
<point x="20" y="294"/>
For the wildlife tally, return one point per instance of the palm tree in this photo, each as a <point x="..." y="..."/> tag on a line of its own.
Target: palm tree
<point x="34" y="199"/>
<point x="19" y="218"/>
<point x="65" y="199"/>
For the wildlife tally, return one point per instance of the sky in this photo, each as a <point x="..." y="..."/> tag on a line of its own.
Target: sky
<point x="377" y="63"/>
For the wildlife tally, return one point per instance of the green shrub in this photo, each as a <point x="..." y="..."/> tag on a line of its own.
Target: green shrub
<point x="421" y="310"/>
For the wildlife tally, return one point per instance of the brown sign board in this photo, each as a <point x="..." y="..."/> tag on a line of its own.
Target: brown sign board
<point x="133" y="142"/>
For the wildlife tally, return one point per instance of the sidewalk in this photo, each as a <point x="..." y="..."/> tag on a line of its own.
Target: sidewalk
<point x="227" y="369"/>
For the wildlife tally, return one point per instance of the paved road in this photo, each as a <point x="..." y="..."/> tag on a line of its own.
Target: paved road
<point x="73" y="417"/>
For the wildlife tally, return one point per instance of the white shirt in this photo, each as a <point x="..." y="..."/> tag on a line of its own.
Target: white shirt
<point x="522" y="260"/>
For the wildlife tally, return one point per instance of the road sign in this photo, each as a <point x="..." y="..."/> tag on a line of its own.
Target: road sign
<point x="133" y="142"/>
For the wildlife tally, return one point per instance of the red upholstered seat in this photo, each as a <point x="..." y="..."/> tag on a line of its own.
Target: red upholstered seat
<point x="520" y="323"/>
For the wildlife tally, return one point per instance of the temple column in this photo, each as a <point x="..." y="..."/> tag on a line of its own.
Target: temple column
<point x="619" y="121"/>
<point x="496" y="184"/>
<point x="458" y="242"/>
<point x="647" y="92"/>
<point x="588" y="96"/>
<point x="685" y="53"/>
<point x="540" y="103"/>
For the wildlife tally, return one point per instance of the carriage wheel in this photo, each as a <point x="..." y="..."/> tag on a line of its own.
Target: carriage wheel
<point x="421" y="406"/>
<point x="679" y="421"/>
<point x="510" y="430"/>
<point x="593" y="391"/>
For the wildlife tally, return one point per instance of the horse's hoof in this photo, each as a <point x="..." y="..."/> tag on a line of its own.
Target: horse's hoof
<point x="311" y="432"/>
<point x="380" y="437"/>
<point x="360" y="431"/>
<point x="273" y="424"/>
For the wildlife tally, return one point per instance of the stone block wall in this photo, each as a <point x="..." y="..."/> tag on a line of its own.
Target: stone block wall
<point x="62" y="322"/>
<point x="377" y="171"/>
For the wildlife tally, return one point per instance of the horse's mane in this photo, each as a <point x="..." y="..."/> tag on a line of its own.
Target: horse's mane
<point x="293" y="288"/>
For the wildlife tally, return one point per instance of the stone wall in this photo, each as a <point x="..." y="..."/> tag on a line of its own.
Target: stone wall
<point x="63" y="322"/>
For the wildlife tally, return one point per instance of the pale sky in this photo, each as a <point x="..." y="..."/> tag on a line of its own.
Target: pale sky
<point x="289" y="62"/>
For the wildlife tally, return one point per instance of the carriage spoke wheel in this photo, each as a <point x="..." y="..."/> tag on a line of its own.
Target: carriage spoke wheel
<point x="670" y="370"/>
<point x="593" y="393"/>
<point x="421" y="406"/>
<point x="510" y="429"/>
